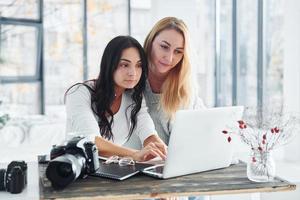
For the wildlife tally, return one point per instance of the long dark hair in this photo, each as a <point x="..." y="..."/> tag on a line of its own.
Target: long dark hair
<point x="102" y="90"/>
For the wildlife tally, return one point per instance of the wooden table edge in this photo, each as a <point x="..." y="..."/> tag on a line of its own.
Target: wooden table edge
<point x="290" y="187"/>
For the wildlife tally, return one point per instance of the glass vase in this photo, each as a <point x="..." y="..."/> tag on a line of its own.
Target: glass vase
<point x="261" y="166"/>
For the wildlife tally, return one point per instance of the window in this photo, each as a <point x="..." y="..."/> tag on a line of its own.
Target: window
<point x="21" y="56"/>
<point x="18" y="54"/>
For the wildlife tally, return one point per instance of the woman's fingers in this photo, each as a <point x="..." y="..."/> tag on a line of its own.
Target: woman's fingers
<point x="160" y="153"/>
<point x="157" y="142"/>
<point x="149" y="154"/>
<point x="162" y="147"/>
<point x="153" y="150"/>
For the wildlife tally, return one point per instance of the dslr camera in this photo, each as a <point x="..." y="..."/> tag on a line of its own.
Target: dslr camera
<point x="14" y="178"/>
<point x="77" y="158"/>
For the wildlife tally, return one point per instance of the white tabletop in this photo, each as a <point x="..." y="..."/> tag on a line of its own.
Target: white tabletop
<point x="31" y="191"/>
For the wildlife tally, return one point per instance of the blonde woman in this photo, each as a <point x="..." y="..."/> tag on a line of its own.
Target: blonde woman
<point x="168" y="87"/>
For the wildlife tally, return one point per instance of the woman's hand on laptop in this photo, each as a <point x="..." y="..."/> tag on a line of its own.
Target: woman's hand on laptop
<point x="148" y="152"/>
<point x="153" y="147"/>
<point x="158" y="143"/>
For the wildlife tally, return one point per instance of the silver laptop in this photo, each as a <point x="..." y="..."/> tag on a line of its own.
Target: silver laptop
<point x="197" y="143"/>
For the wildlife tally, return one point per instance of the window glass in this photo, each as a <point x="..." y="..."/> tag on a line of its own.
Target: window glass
<point x="63" y="44"/>
<point x="20" y="98"/>
<point x="18" y="50"/>
<point x="27" y="9"/>
<point x="106" y="20"/>
<point x="247" y="52"/>
<point x="274" y="54"/>
<point x="224" y="40"/>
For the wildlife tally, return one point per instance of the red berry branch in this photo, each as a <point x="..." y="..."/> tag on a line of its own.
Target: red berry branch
<point x="266" y="135"/>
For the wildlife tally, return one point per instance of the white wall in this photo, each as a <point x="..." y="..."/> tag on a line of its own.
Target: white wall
<point x="292" y="69"/>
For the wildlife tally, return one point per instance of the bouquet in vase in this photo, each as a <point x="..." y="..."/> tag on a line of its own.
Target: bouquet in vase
<point x="263" y="131"/>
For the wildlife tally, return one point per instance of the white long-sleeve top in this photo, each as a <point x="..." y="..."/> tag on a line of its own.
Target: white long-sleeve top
<point x="82" y="121"/>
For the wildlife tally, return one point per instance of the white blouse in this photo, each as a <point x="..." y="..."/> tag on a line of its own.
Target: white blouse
<point x="82" y="121"/>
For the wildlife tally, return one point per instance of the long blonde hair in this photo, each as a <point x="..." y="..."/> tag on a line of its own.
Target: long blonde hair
<point x="176" y="89"/>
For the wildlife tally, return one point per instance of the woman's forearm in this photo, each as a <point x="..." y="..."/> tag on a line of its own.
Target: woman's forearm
<point x="107" y="148"/>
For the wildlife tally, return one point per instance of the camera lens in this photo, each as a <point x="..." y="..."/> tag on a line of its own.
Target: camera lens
<point x="2" y="179"/>
<point x="65" y="169"/>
